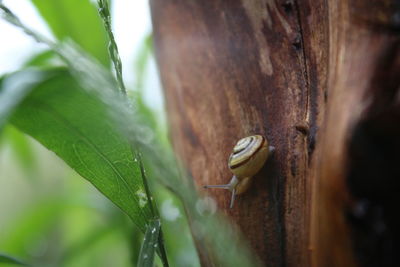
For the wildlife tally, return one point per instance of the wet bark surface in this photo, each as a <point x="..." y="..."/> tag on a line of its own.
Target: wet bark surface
<point x="296" y="72"/>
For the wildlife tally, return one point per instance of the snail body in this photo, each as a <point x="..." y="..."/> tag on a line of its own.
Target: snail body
<point x="247" y="158"/>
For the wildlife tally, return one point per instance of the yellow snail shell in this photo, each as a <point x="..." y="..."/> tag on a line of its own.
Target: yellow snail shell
<point x="248" y="157"/>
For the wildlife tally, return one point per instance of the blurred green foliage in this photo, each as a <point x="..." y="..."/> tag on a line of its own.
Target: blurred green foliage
<point x="77" y="20"/>
<point x="5" y="259"/>
<point x="21" y="148"/>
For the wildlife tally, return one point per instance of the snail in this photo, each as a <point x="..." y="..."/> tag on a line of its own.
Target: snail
<point x="247" y="158"/>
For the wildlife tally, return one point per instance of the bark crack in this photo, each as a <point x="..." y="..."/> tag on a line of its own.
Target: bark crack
<point x="304" y="62"/>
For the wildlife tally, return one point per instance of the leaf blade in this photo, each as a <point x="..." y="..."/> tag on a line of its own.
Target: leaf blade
<point x="11" y="260"/>
<point x="149" y="245"/>
<point x="12" y="92"/>
<point x="78" y="130"/>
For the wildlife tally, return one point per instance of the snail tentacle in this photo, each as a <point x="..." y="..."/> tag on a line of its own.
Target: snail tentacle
<point x="232" y="198"/>
<point x="231" y="186"/>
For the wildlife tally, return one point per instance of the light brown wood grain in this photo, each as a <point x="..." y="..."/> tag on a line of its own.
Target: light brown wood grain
<point x="294" y="71"/>
<point x="361" y="40"/>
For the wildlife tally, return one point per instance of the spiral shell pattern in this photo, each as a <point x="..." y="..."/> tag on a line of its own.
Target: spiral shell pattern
<point x="245" y="149"/>
<point x="248" y="155"/>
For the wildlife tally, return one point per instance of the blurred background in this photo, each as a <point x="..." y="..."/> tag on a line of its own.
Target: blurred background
<point x="48" y="214"/>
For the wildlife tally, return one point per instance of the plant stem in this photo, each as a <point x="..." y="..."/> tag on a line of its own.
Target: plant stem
<point x="104" y="12"/>
<point x="161" y="248"/>
<point x="162" y="252"/>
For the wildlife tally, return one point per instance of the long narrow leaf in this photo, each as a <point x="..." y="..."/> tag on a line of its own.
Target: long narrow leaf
<point x="76" y="126"/>
<point x="15" y="88"/>
<point x="104" y="11"/>
<point x="150" y="243"/>
<point x="11" y="260"/>
<point x="95" y="79"/>
<point x="161" y="247"/>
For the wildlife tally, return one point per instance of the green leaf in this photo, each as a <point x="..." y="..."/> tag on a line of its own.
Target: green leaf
<point x="13" y="90"/>
<point x="43" y="59"/>
<point x="76" y="126"/>
<point x="104" y="12"/>
<point x="78" y="20"/>
<point x="11" y="260"/>
<point x="149" y="245"/>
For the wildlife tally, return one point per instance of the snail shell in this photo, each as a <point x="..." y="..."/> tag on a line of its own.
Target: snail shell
<point x="248" y="157"/>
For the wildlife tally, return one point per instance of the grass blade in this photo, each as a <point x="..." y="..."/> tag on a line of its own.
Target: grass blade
<point x="96" y="80"/>
<point x="161" y="247"/>
<point x="76" y="126"/>
<point x="150" y="243"/>
<point x="14" y="92"/>
<point x="104" y="12"/>
<point x="11" y="260"/>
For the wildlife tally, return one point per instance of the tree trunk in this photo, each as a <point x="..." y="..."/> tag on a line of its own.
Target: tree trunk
<point x="305" y="74"/>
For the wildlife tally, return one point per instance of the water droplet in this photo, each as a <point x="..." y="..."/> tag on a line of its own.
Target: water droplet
<point x="141" y="197"/>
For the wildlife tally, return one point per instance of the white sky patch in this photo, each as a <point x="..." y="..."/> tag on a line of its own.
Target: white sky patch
<point x="15" y="46"/>
<point x="131" y="24"/>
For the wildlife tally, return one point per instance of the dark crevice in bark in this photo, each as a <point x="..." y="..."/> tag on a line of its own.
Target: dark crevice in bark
<point x="310" y="108"/>
<point x="374" y="169"/>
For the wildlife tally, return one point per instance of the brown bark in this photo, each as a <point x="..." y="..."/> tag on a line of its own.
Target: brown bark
<point x="235" y="68"/>
<point x="355" y="165"/>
